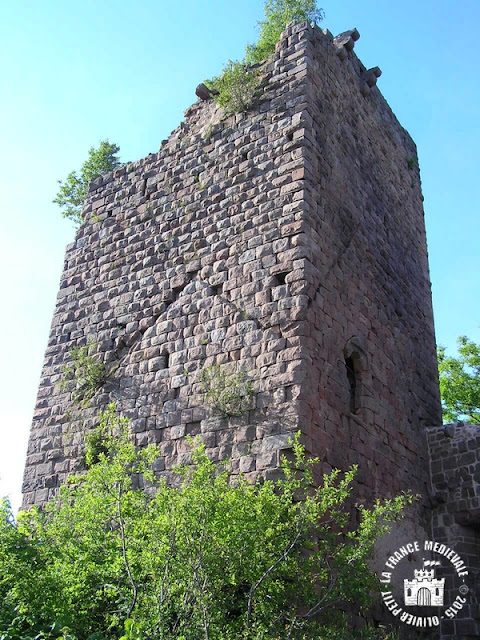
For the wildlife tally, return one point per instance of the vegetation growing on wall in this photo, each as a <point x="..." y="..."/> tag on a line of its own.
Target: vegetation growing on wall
<point x="74" y="189"/>
<point x="278" y="13"/>
<point x="85" y="375"/>
<point x="235" y="88"/>
<point x="228" y="394"/>
<point x="213" y="559"/>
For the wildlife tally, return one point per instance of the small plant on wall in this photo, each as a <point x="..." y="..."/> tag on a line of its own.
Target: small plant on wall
<point x="85" y="375"/>
<point x="228" y="394"/>
<point x="236" y="87"/>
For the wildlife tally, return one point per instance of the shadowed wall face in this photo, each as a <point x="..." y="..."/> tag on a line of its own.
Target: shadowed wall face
<point x="455" y="470"/>
<point x="288" y="243"/>
<point x="372" y="382"/>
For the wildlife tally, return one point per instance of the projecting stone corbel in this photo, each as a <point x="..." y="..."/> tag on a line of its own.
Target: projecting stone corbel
<point x="345" y="42"/>
<point x="369" y="80"/>
<point x="204" y="93"/>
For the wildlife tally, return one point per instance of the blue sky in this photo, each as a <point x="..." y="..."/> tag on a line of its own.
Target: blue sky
<point x="74" y="73"/>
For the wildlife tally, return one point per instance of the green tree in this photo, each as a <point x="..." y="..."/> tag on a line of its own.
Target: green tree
<point x="460" y="382"/>
<point x="213" y="559"/>
<point x="235" y="88"/>
<point x="74" y="189"/>
<point x="278" y="13"/>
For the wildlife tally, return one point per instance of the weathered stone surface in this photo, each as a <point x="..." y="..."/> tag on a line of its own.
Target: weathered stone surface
<point x="454" y="462"/>
<point x="203" y="92"/>
<point x="287" y="242"/>
<point x="189" y="268"/>
<point x="371" y="76"/>
<point x="345" y="42"/>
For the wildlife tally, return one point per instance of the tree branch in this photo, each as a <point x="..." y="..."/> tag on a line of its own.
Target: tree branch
<point x="269" y="571"/>
<point x="124" y="552"/>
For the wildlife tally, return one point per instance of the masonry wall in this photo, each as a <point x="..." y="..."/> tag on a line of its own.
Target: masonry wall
<point x="455" y="472"/>
<point x="286" y="242"/>
<point x="174" y="270"/>
<point x="369" y="300"/>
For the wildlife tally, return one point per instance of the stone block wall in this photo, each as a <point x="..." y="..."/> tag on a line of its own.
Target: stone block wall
<point x="182" y="263"/>
<point x="455" y="472"/>
<point x="369" y="341"/>
<point x="287" y="242"/>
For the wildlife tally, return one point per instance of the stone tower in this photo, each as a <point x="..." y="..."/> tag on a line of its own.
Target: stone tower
<point x="287" y="242"/>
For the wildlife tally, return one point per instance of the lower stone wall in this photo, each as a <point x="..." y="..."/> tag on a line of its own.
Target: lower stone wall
<point x="193" y="257"/>
<point x="455" y="474"/>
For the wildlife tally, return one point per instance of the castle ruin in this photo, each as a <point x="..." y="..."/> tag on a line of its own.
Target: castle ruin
<point x="287" y="242"/>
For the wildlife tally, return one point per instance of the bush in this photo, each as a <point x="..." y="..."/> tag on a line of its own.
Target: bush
<point x="228" y="394"/>
<point x="73" y="191"/>
<point x="214" y="558"/>
<point x="84" y="376"/>
<point x="236" y="87"/>
<point x="278" y="13"/>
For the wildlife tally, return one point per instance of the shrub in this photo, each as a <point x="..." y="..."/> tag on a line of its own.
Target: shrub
<point x="236" y="87"/>
<point x="214" y="558"/>
<point x="228" y="394"/>
<point x="85" y="375"/>
<point x="73" y="191"/>
<point x="278" y="13"/>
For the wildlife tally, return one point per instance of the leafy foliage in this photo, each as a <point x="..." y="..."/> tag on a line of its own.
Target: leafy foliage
<point x="85" y="375"/>
<point x="235" y="87"/>
<point x="212" y="558"/>
<point x="74" y="189"/>
<point x="460" y="382"/>
<point x="229" y="394"/>
<point x="278" y="13"/>
<point x="95" y="446"/>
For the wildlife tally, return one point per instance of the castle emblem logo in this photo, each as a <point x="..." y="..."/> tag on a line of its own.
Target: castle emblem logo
<point x="424" y="604"/>
<point x="424" y="590"/>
